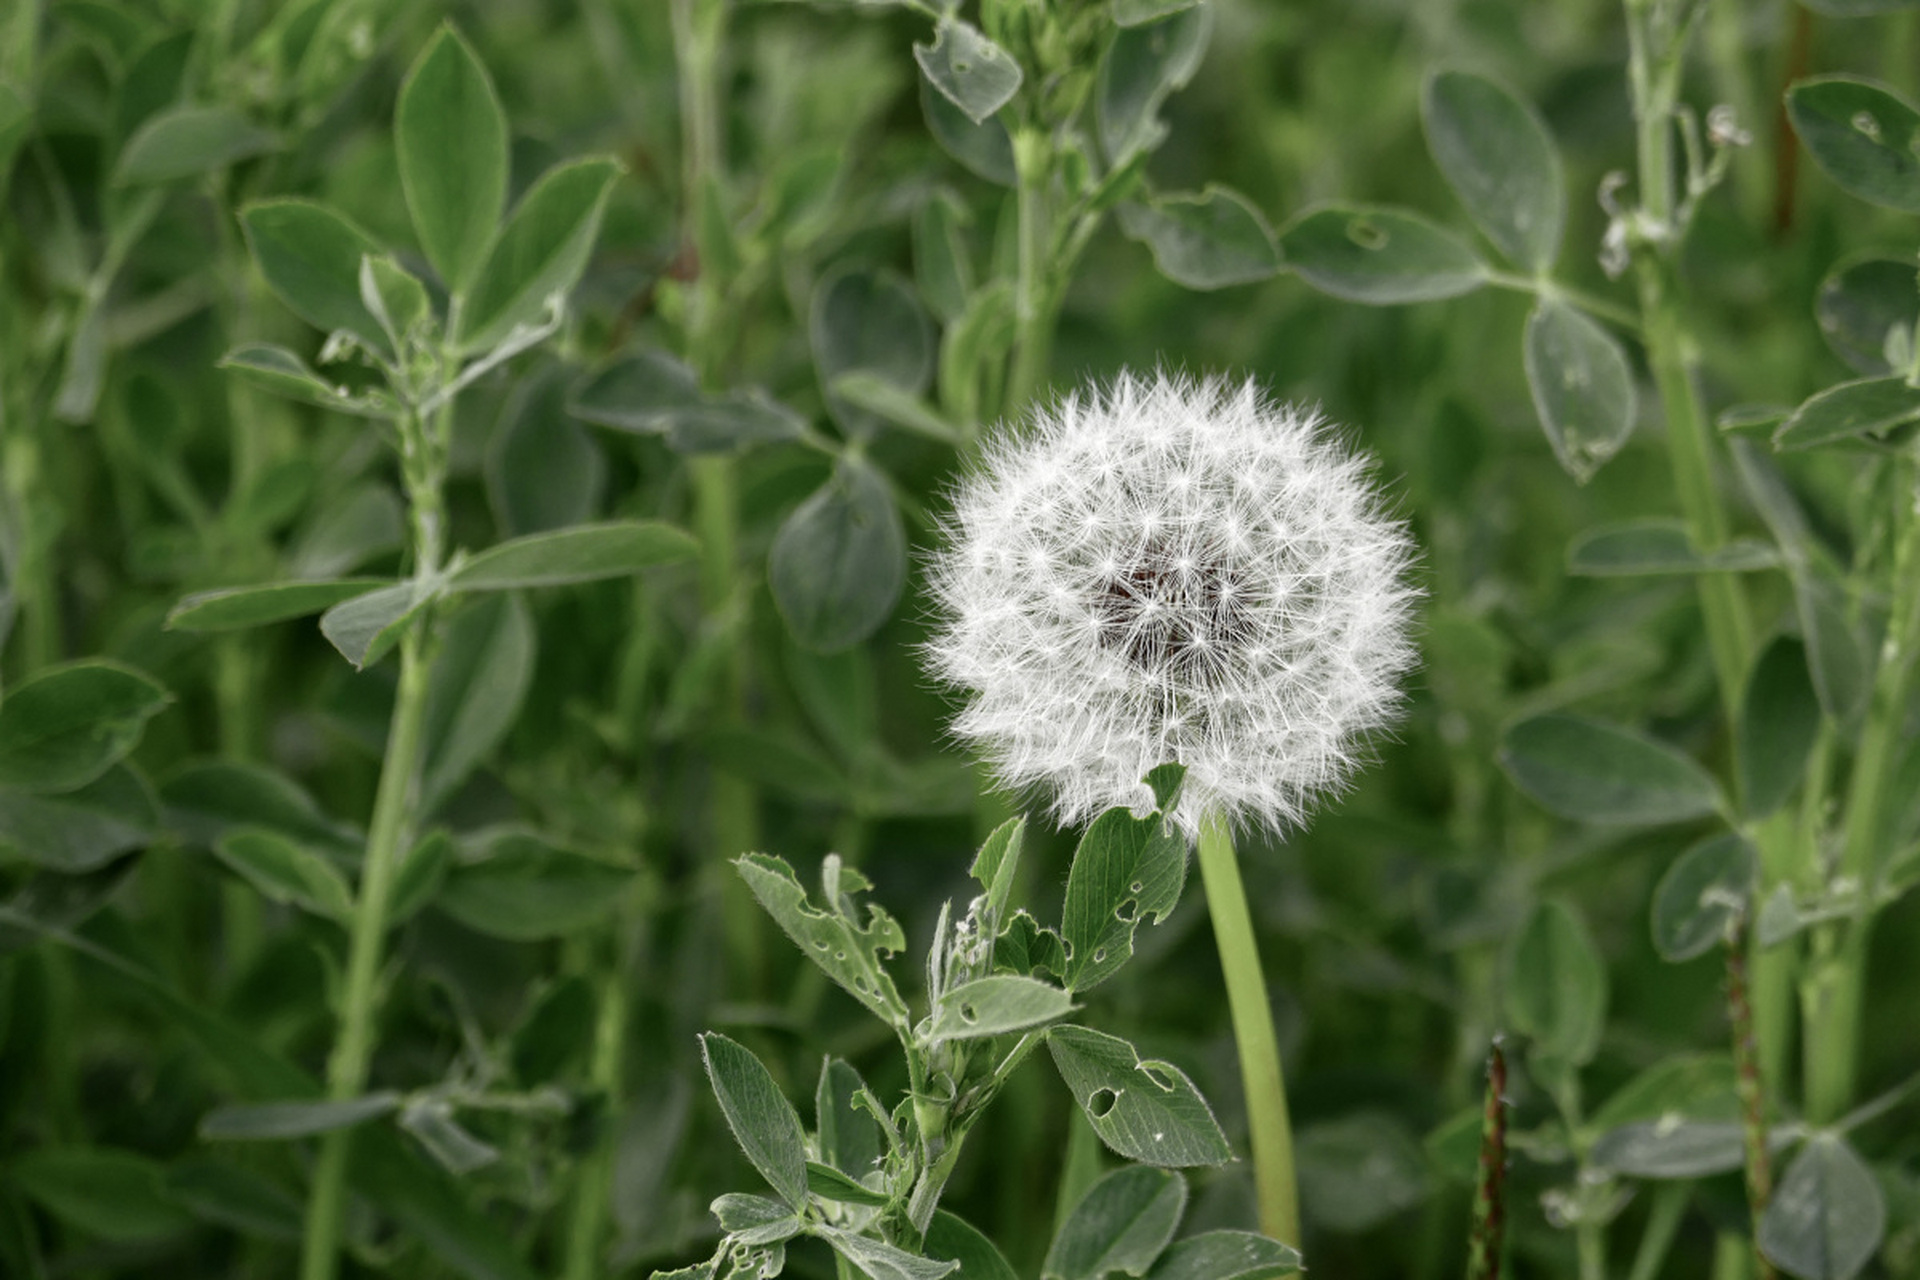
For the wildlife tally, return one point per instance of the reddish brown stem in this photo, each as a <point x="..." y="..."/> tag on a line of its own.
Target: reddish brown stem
<point x="1489" y="1201"/>
<point x="1751" y="1089"/>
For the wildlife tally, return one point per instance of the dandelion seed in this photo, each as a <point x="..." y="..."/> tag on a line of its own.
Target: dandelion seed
<point x="1173" y="571"/>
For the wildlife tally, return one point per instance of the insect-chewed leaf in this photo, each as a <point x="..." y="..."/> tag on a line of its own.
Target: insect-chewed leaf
<point x="67" y="725"/>
<point x="1706" y="889"/>
<point x="1581" y="384"/>
<point x="1779" y="721"/>
<point x="850" y="954"/>
<point x="763" y="1121"/>
<point x="1828" y="1216"/>
<point x="1556" y="984"/>
<point x="1365" y="253"/>
<point x="1122" y="1223"/>
<point x="1141" y="67"/>
<point x="1595" y="772"/>
<point x="1861" y="136"/>
<point x="995" y="1005"/>
<point x="1207" y="240"/>
<point x="1146" y="1110"/>
<point x="1499" y="159"/>
<point x="973" y="72"/>
<point x="1125" y="869"/>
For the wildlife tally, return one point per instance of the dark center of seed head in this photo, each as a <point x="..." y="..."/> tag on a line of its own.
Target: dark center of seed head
<point x="1173" y="612"/>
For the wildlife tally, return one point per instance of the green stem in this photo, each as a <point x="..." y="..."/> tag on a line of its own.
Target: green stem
<point x="593" y="1192"/>
<point x="353" y="1051"/>
<point x="1663" y="1224"/>
<point x="1835" y="1013"/>
<point x="1253" y="1033"/>
<point x="1590" y="1242"/>
<point x="1034" y="306"/>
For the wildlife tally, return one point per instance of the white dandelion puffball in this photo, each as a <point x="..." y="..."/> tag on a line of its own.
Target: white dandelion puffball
<point x="1173" y="571"/>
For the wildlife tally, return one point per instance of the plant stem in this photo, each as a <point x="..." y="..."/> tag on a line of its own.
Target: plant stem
<point x="1835" y="1012"/>
<point x="595" y="1187"/>
<point x="1663" y="1224"/>
<point x="1489" y="1201"/>
<point x="353" y="1051"/>
<point x="1749" y="1085"/>
<point x="1253" y="1033"/>
<point x="1034" y="305"/>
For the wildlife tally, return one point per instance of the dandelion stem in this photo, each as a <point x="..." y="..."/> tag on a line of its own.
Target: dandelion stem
<point x="1253" y="1033"/>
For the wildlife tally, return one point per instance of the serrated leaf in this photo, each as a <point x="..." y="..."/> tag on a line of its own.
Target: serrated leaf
<point x="67" y="725"/>
<point x="847" y="952"/>
<point x="1582" y="386"/>
<point x="1209" y="240"/>
<point x="1595" y="772"/>
<point x="1556" y="984"/>
<point x="1498" y="157"/>
<point x="973" y="72"/>
<point x="1367" y="253"/>
<point x="1706" y="889"/>
<point x="584" y="553"/>
<point x="1827" y="1216"/>
<point x="279" y="1121"/>
<point x="450" y="136"/>
<point x="540" y="253"/>
<point x="762" y="1120"/>
<point x="1861" y="135"/>
<point x="1144" y="1109"/>
<point x="233" y="608"/>
<point x="1125" y="869"/>
<point x="189" y="140"/>
<point x="1122" y="1223"/>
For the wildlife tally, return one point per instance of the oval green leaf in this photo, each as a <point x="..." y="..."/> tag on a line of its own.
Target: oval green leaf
<point x="1862" y="136"/>
<point x="839" y="561"/>
<point x="1867" y="407"/>
<point x="1378" y="255"/>
<point x="185" y="141"/>
<point x="764" y="1123"/>
<point x="583" y="554"/>
<point x="1658" y="545"/>
<point x="522" y="889"/>
<point x="1779" y="721"/>
<point x="1706" y="889"/>
<point x="64" y="727"/>
<point x="1595" y="772"/>
<point x="231" y="608"/>
<point x="1500" y="160"/>
<point x="310" y="257"/>
<point x="1206" y="241"/>
<point x="451" y="136"/>
<point x="540" y="254"/>
<point x="870" y="323"/>
<point x="1122" y="1223"/>
<point x="279" y="1121"/>
<point x="1556" y="984"/>
<point x="1582" y="386"/>
<point x="1828" y="1216"/>
<point x="1861" y="303"/>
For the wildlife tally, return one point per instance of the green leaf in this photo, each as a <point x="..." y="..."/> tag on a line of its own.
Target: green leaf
<point x="1142" y="67"/>
<point x="185" y="141"/>
<point x="762" y="1120"/>
<point x="208" y="799"/>
<point x="995" y="1005"/>
<point x="558" y="1033"/>
<point x="849" y="954"/>
<point x="283" y="373"/>
<point x="360" y="525"/>
<point x="1359" y="1171"/>
<point x="541" y="252"/>
<point x="434" y="1207"/>
<point x="880" y="1260"/>
<point x="544" y="469"/>
<point x="480" y="678"/>
<point x="1706" y="889"/>
<point x="1594" y="772"/>
<point x="51" y="901"/>
<point x="395" y="296"/>
<point x="1868" y="407"/>
<point x="310" y="257"/>
<point x="872" y="395"/>
<point x="849" y="1136"/>
<point x="1556" y="984"/>
<point x="103" y="1191"/>
<point x="1861" y="136"/>
<point x="1498" y="157"/>
<point x="1366" y="253"/>
<point x="1206" y="241"/>
<point x="279" y="1121"/>
<point x="1133" y="13"/>
<point x="984" y="149"/>
<point x="973" y="72"/>
<point x="1860" y="307"/>
<point x="287" y="872"/>
<point x="430" y="1121"/>
<point x="942" y="265"/>
<point x="519" y="887"/>
<point x="238" y="1199"/>
<point x="451" y="137"/>
<point x="953" y="1239"/>
<point x="1779" y="721"/>
<point x="839" y="562"/>
<point x="1697" y="1086"/>
<point x="231" y="608"/>
<point x="1226" y="1255"/>
<point x="995" y="867"/>
<point x="1146" y="1110"/>
<point x="366" y="627"/>
<point x="871" y="323"/>
<point x="81" y="830"/>
<point x="829" y="1183"/>
<point x="1837" y="653"/>
<point x="653" y="394"/>
<point x="1125" y="869"/>
<point x="581" y="554"/>
<point x="1828" y="1215"/>
<point x="1658" y="545"/>
<point x="755" y="1220"/>
<point x="1581" y="384"/>
<point x="1122" y="1223"/>
<point x="1027" y="946"/>
<point x="421" y="873"/>
<point x="16" y="117"/>
<point x="1672" y="1148"/>
<point x="65" y="726"/>
<point x="784" y="762"/>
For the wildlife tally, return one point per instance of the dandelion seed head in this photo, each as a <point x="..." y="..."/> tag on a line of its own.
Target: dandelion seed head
<point x="1173" y="570"/>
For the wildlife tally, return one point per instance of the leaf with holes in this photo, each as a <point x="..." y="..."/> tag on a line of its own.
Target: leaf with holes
<point x="1144" y="1109"/>
<point x="1861" y="135"/>
<point x="995" y="1005"/>
<point x="1582" y="386"/>
<point x="1122" y="1223"/>
<point x="1141" y="68"/>
<point x="1208" y="240"/>
<point x="1125" y="869"/>
<point x="849" y="954"/>
<point x="1366" y="253"/>
<point x="973" y="72"/>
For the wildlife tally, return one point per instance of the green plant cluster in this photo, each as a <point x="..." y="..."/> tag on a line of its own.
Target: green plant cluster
<point x="465" y="475"/>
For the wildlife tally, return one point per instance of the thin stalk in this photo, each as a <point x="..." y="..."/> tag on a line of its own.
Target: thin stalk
<point x="1272" y="1136"/>
<point x="1750" y="1087"/>
<point x="1663" y="1225"/>
<point x="592" y="1194"/>
<point x="1590" y="1243"/>
<point x="1833" y="1060"/>
<point x="1489" y="1201"/>
<point x="1034" y="305"/>
<point x="353" y="1051"/>
<point x="36" y="601"/>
